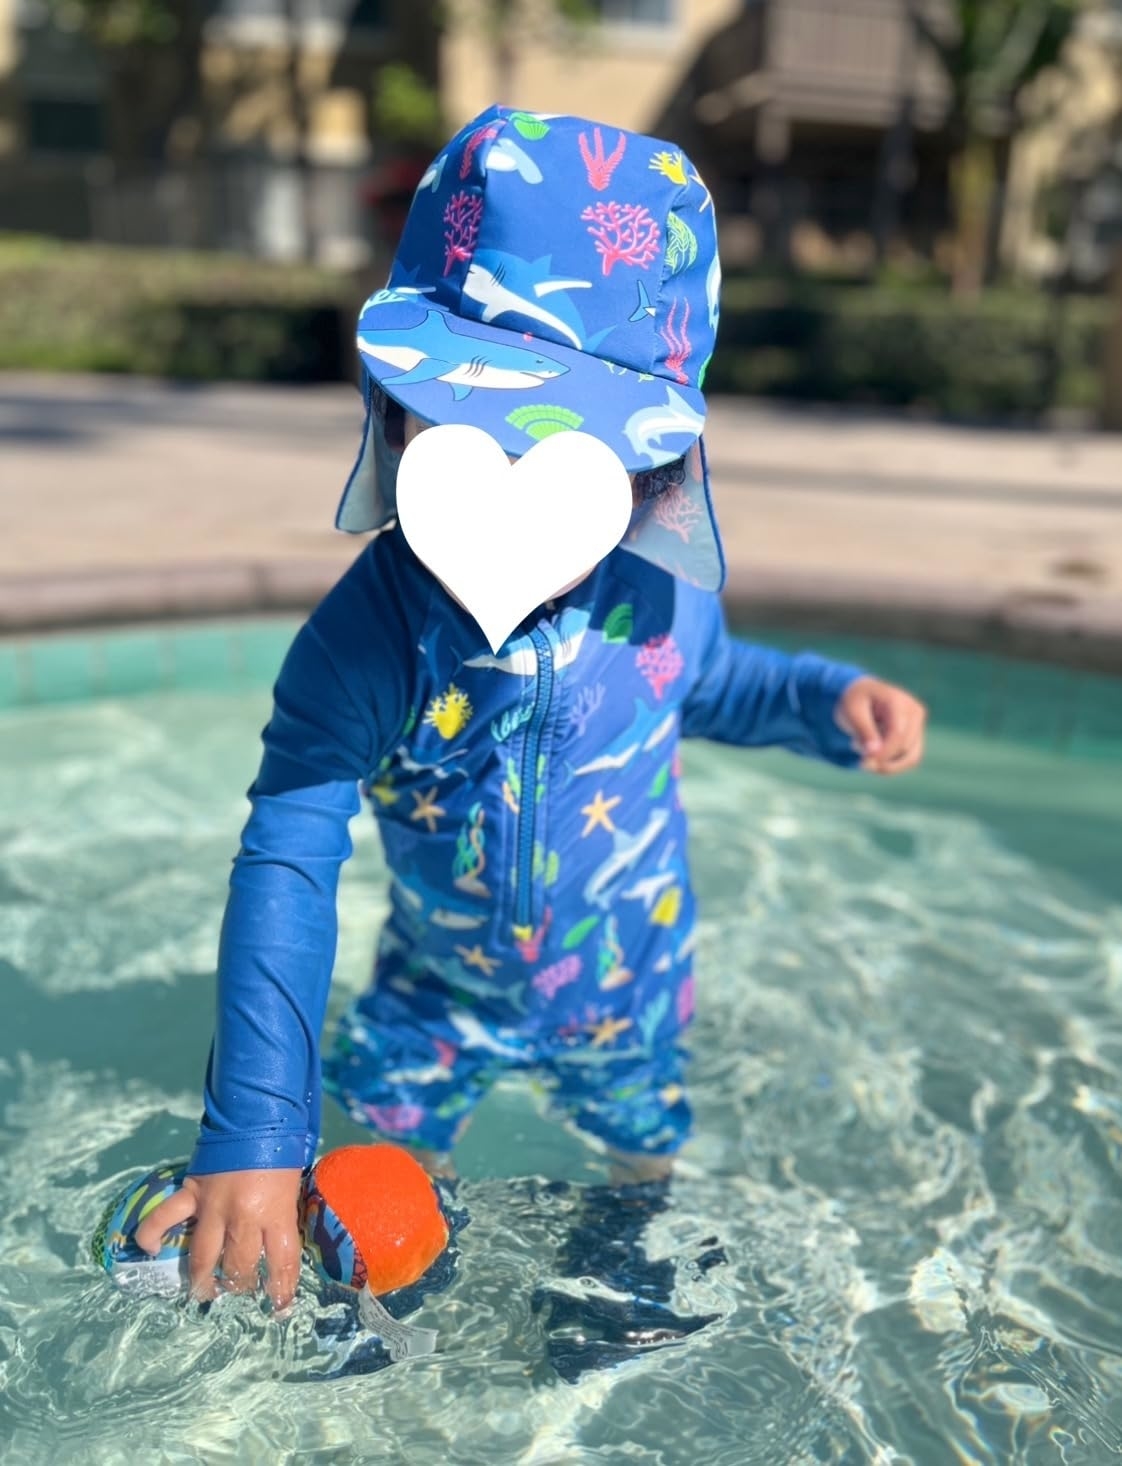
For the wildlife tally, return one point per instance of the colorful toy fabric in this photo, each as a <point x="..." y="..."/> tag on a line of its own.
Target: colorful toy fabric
<point x="372" y="1218"/>
<point x="115" y="1250"/>
<point x="373" y="1224"/>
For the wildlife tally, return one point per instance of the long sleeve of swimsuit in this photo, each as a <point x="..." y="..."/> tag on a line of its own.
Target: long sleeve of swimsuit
<point x="755" y="696"/>
<point x="335" y="698"/>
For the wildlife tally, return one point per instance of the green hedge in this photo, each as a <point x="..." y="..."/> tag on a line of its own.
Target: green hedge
<point x="166" y="313"/>
<point x="1009" y="354"/>
<point x="68" y="307"/>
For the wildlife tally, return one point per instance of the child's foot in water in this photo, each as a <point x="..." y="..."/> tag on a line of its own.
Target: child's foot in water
<point x="589" y="1330"/>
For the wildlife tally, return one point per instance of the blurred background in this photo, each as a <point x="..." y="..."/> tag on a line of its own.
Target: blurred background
<point x="912" y="1131"/>
<point x="920" y="359"/>
<point x="921" y="199"/>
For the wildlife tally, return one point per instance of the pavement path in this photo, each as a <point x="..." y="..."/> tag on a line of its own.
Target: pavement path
<point x="124" y="498"/>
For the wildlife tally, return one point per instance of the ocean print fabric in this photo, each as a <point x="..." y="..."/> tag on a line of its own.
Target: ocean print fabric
<point x="554" y="274"/>
<point x="529" y="807"/>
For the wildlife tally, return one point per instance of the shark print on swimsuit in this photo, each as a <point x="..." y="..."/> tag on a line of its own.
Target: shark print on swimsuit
<point x="647" y="730"/>
<point x="542" y="899"/>
<point x="527" y="797"/>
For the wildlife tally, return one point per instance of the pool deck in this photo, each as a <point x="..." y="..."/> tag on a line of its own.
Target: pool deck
<point x="126" y="499"/>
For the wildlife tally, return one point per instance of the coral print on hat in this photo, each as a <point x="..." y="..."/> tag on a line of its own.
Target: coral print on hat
<point x="554" y="274"/>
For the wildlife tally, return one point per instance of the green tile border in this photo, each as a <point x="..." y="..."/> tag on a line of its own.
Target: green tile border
<point x="206" y="656"/>
<point x="1033" y="704"/>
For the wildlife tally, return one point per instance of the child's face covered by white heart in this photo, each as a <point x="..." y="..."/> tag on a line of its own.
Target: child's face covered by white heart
<point x="504" y="535"/>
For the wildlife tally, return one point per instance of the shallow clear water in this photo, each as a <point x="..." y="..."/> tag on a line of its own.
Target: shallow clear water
<point x="907" y="1076"/>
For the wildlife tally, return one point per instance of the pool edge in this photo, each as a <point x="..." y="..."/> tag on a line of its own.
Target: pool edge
<point x="1072" y="630"/>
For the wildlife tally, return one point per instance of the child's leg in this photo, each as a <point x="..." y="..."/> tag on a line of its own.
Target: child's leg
<point x="633" y="1168"/>
<point x="401" y="1072"/>
<point x="642" y="1115"/>
<point x="439" y="1164"/>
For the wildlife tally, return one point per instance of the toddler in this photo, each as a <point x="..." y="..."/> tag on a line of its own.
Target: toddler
<point x="553" y="274"/>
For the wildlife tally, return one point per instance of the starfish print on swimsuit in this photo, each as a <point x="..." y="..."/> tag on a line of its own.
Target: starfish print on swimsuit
<point x="427" y="809"/>
<point x="599" y="813"/>
<point x="476" y="957"/>
<point x="607" y="1030"/>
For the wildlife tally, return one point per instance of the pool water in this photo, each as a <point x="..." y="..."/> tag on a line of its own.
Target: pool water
<point x="907" y="1078"/>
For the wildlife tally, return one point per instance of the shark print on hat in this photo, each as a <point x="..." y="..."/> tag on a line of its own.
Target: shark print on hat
<point x="567" y="263"/>
<point x="433" y="352"/>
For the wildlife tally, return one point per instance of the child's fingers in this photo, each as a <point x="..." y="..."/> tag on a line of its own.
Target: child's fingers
<point x="861" y="716"/>
<point x="206" y="1250"/>
<point x="241" y="1258"/>
<point x="282" y="1259"/>
<point x="898" y="741"/>
<point x="902" y="750"/>
<point x="179" y="1207"/>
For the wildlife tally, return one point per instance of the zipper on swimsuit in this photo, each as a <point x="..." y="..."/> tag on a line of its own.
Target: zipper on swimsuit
<point x="527" y="804"/>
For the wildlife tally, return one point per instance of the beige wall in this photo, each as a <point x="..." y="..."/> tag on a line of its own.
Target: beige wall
<point x="616" y="74"/>
<point x="8" y="48"/>
<point x="249" y="92"/>
<point x="7" y="36"/>
<point x="1088" y="93"/>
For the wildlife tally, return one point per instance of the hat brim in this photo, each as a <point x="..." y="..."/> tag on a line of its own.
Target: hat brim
<point x="445" y="368"/>
<point x="676" y="532"/>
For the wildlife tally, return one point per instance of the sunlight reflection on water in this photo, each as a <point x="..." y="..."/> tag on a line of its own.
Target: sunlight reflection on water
<point x="909" y="1137"/>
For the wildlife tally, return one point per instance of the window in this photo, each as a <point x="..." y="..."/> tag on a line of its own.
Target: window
<point x="634" y="12"/>
<point x="64" y="125"/>
<point x="337" y="16"/>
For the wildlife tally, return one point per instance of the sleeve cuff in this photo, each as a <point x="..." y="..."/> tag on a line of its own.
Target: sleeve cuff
<point x="256" y="1150"/>
<point x="821" y="684"/>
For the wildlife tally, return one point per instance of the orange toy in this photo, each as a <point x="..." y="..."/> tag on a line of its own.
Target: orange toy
<point x="388" y="1209"/>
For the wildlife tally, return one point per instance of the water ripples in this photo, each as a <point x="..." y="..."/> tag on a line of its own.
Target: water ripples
<point x="908" y="1089"/>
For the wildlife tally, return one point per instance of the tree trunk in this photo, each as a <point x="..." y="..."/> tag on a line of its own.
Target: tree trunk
<point x="1112" y="354"/>
<point x="895" y="166"/>
<point x="504" y="21"/>
<point x="301" y="121"/>
<point x="999" y="198"/>
<point x="973" y="180"/>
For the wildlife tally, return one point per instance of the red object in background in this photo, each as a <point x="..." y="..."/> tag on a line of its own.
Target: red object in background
<point x="386" y="1200"/>
<point x="388" y="193"/>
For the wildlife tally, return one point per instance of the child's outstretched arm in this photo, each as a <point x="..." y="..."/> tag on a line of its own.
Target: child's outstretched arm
<point x="756" y="696"/>
<point x="338" y="704"/>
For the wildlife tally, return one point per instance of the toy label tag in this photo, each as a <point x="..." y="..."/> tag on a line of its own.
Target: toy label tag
<point x="402" y="1340"/>
<point x="504" y="538"/>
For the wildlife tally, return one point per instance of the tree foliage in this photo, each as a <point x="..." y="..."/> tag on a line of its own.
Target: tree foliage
<point x="116" y="24"/>
<point x="990" y="52"/>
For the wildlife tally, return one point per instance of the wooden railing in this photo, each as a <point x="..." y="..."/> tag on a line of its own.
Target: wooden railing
<point x="847" y="60"/>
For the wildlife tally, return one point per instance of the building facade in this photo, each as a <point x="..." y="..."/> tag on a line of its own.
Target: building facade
<point x="813" y="119"/>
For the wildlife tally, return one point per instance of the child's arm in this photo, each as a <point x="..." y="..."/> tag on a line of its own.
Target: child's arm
<point x="339" y="702"/>
<point x="755" y="696"/>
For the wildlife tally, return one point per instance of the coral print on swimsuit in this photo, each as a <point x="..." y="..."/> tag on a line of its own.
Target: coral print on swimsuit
<point x="537" y="841"/>
<point x="553" y="274"/>
<point x="533" y="824"/>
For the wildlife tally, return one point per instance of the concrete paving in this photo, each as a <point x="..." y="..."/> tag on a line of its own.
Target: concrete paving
<point x="124" y="498"/>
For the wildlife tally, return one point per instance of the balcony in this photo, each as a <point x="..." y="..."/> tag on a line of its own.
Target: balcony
<point x="839" y="62"/>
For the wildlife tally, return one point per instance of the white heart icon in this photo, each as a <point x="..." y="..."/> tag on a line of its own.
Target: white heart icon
<point x="504" y="538"/>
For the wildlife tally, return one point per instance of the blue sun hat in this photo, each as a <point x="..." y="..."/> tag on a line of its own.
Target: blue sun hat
<point x="554" y="274"/>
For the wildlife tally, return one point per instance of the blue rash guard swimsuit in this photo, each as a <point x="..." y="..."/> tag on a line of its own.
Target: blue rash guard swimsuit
<point x="541" y="910"/>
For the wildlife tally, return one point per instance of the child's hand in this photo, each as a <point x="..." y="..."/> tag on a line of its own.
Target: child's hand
<point x="240" y="1217"/>
<point x="886" y="723"/>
